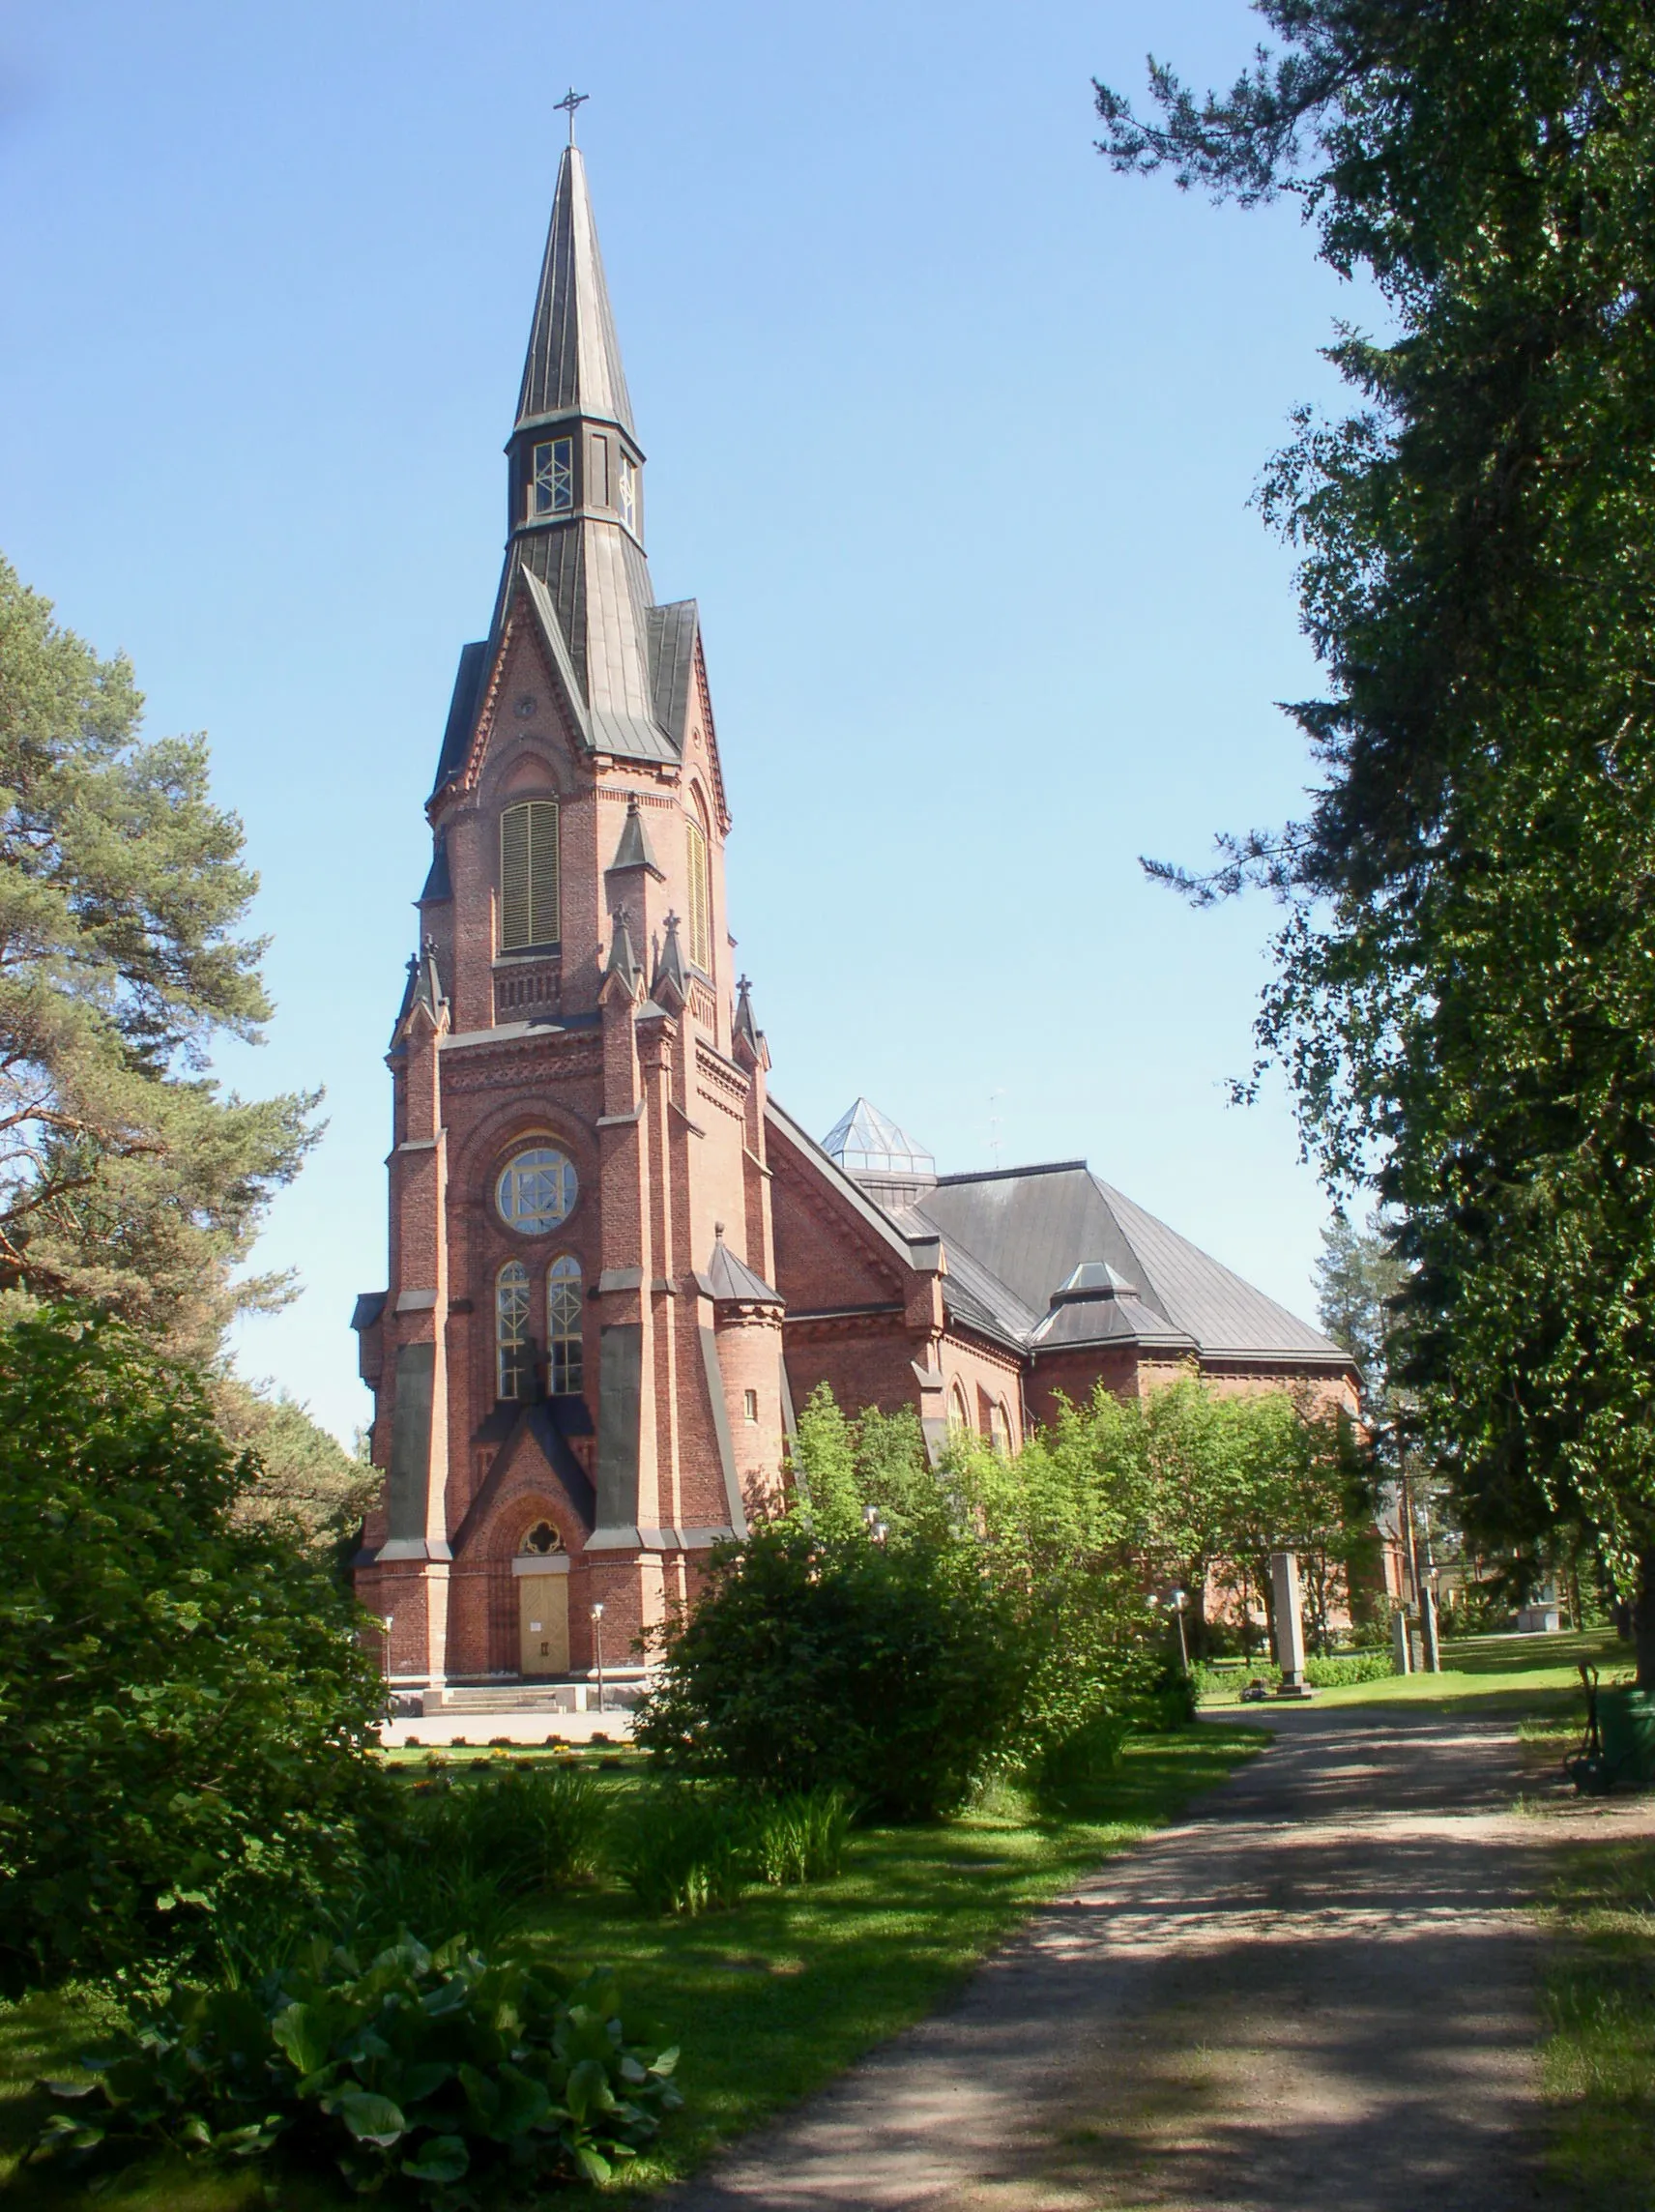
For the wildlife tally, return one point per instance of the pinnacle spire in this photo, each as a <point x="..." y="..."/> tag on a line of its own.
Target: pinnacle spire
<point x="745" y="1030"/>
<point x="634" y="849"/>
<point x="670" y="982"/>
<point x="623" y="962"/>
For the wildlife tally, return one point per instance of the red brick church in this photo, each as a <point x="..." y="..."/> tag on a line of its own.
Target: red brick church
<point x="616" y="1264"/>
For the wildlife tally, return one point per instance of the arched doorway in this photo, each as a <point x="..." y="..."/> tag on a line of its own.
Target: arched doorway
<point x="542" y="1571"/>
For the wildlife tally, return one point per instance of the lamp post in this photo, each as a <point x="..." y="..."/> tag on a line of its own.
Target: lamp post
<point x="874" y="1520"/>
<point x="1174" y="1602"/>
<point x="598" y="1643"/>
<point x="1178" y="1602"/>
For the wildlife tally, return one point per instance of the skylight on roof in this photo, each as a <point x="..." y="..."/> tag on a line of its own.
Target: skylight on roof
<point x="866" y="1142"/>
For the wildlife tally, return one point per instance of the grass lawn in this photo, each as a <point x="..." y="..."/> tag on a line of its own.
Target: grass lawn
<point x="1490" y="1673"/>
<point x="771" y="1999"/>
<point x="1599" y="2004"/>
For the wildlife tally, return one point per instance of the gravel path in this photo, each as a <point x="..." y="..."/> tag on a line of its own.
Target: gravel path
<point x="1316" y="1991"/>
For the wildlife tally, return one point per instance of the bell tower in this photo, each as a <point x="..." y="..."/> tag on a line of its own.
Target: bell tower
<point x="577" y="1361"/>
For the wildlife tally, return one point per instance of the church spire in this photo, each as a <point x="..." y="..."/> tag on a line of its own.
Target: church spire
<point x="576" y="490"/>
<point x="573" y="363"/>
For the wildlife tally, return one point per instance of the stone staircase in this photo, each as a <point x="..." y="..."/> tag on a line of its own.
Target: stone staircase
<point x="532" y="1698"/>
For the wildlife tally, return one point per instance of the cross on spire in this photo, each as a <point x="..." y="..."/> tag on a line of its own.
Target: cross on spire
<point x="570" y="100"/>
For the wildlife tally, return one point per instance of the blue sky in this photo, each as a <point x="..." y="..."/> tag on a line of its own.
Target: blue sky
<point x="951" y="431"/>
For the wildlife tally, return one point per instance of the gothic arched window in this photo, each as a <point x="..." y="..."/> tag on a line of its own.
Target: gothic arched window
<point x="958" y="1417"/>
<point x="700" y="900"/>
<point x="513" y="1354"/>
<point x="564" y="1340"/>
<point x="999" y="1428"/>
<point x="529" y="875"/>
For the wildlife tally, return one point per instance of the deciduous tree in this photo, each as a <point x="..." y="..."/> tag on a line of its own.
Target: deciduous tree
<point x="1465" y="988"/>
<point x="185" y="1714"/>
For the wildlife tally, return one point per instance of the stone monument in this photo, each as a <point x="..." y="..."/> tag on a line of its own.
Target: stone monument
<point x="1289" y="1625"/>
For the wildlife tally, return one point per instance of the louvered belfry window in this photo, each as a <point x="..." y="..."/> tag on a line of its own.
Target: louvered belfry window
<point x="529" y="875"/>
<point x="700" y="903"/>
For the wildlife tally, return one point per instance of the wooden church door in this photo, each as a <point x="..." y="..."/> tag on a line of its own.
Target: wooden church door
<point x="543" y="1614"/>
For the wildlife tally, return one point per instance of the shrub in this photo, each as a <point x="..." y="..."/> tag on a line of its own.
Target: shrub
<point x="532" y="1827"/>
<point x="465" y="1848"/>
<point x="1346" y="1667"/>
<point x="1068" y="1773"/>
<point x="797" y="1837"/>
<point x="186" y="1714"/>
<point x="436" y="2068"/>
<point x="893" y="1673"/>
<point x="691" y="1847"/>
<point x="682" y="1850"/>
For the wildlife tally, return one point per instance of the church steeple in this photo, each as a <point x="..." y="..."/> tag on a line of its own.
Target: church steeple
<point x="573" y="363"/>
<point x="575" y="488"/>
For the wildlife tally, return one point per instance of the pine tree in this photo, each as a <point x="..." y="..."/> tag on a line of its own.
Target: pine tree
<point x="127" y="1177"/>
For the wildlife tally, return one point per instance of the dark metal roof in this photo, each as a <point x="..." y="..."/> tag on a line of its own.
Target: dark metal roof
<point x="462" y="712"/>
<point x="1034" y="1227"/>
<point x="729" y="1280"/>
<point x="370" y="1305"/>
<point x="573" y="360"/>
<point x="590" y="583"/>
<point x="672" y="634"/>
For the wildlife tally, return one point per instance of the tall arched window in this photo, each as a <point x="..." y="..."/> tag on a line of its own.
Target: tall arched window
<point x="529" y="875"/>
<point x="564" y="1342"/>
<point x="700" y="900"/>
<point x="999" y="1428"/>
<point x="513" y="1354"/>
<point x="958" y="1417"/>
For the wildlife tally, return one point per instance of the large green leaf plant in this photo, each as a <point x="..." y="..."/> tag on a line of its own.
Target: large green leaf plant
<point x="436" y="2068"/>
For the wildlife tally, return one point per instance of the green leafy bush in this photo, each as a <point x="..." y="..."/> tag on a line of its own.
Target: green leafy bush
<point x="1346" y="1667"/>
<point x="893" y="1673"/>
<point x="1069" y="1772"/>
<point x="437" y="2068"/>
<point x="186" y="1714"/>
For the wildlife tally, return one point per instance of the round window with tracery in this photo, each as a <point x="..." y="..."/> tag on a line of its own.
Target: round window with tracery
<point x="541" y="1541"/>
<point x="536" y="1191"/>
